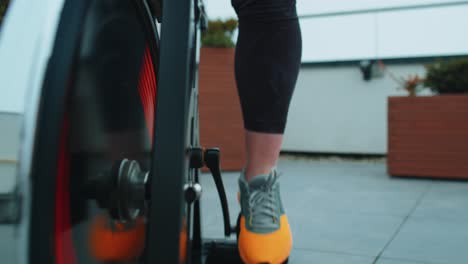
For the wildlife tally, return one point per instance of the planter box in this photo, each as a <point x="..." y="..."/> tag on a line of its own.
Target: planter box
<point x="221" y="123"/>
<point x="428" y="136"/>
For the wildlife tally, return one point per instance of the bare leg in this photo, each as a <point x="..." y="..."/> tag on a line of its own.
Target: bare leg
<point x="262" y="152"/>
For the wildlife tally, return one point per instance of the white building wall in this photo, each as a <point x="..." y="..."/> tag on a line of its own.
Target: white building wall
<point x="310" y="7"/>
<point x="421" y="32"/>
<point x="334" y="111"/>
<point x="391" y="32"/>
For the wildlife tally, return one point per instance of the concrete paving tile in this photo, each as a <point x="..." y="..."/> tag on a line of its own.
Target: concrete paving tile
<point x="311" y="256"/>
<point x="344" y="187"/>
<point x="445" y="200"/>
<point x="345" y="176"/>
<point x="361" y="202"/>
<point x="431" y="240"/>
<point x="350" y="233"/>
<point x="398" y="261"/>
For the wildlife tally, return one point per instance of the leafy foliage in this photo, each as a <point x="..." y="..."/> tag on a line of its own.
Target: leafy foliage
<point x="219" y="33"/>
<point x="448" y="77"/>
<point x="3" y="8"/>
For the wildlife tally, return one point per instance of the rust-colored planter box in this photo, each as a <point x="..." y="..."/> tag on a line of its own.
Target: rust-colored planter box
<point x="221" y="122"/>
<point x="428" y="136"/>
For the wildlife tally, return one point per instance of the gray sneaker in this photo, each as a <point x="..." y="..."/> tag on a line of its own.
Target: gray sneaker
<point x="264" y="232"/>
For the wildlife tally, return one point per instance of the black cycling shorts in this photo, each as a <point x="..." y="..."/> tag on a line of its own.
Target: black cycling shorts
<point x="267" y="61"/>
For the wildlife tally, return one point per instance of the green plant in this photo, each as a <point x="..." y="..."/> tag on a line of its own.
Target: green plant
<point x="448" y="77"/>
<point x="3" y="8"/>
<point x="413" y="84"/>
<point x="219" y="33"/>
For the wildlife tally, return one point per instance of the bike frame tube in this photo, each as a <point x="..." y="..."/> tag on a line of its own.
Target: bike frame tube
<point x="170" y="161"/>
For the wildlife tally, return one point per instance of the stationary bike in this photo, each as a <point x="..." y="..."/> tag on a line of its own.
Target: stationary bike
<point x="110" y="164"/>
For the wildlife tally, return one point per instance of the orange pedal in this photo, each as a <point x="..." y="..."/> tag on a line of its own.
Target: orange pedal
<point x="111" y="241"/>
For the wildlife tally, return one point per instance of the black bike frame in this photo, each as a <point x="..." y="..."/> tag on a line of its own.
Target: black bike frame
<point x="170" y="166"/>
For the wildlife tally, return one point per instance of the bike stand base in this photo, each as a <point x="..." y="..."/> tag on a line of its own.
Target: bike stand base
<point x="221" y="251"/>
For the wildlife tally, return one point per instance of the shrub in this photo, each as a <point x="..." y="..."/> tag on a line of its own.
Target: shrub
<point x="448" y="77"/>
<point x="219" y="34"/>
<point x="3" y="8"/>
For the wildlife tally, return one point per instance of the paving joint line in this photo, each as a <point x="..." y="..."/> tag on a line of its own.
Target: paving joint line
<point x="418" y="202"/>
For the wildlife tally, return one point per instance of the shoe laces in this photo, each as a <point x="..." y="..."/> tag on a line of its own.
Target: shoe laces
<point x="263" y="205"/>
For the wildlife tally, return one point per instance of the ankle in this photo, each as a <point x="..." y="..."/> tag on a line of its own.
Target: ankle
<point x="252" y="171"/>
